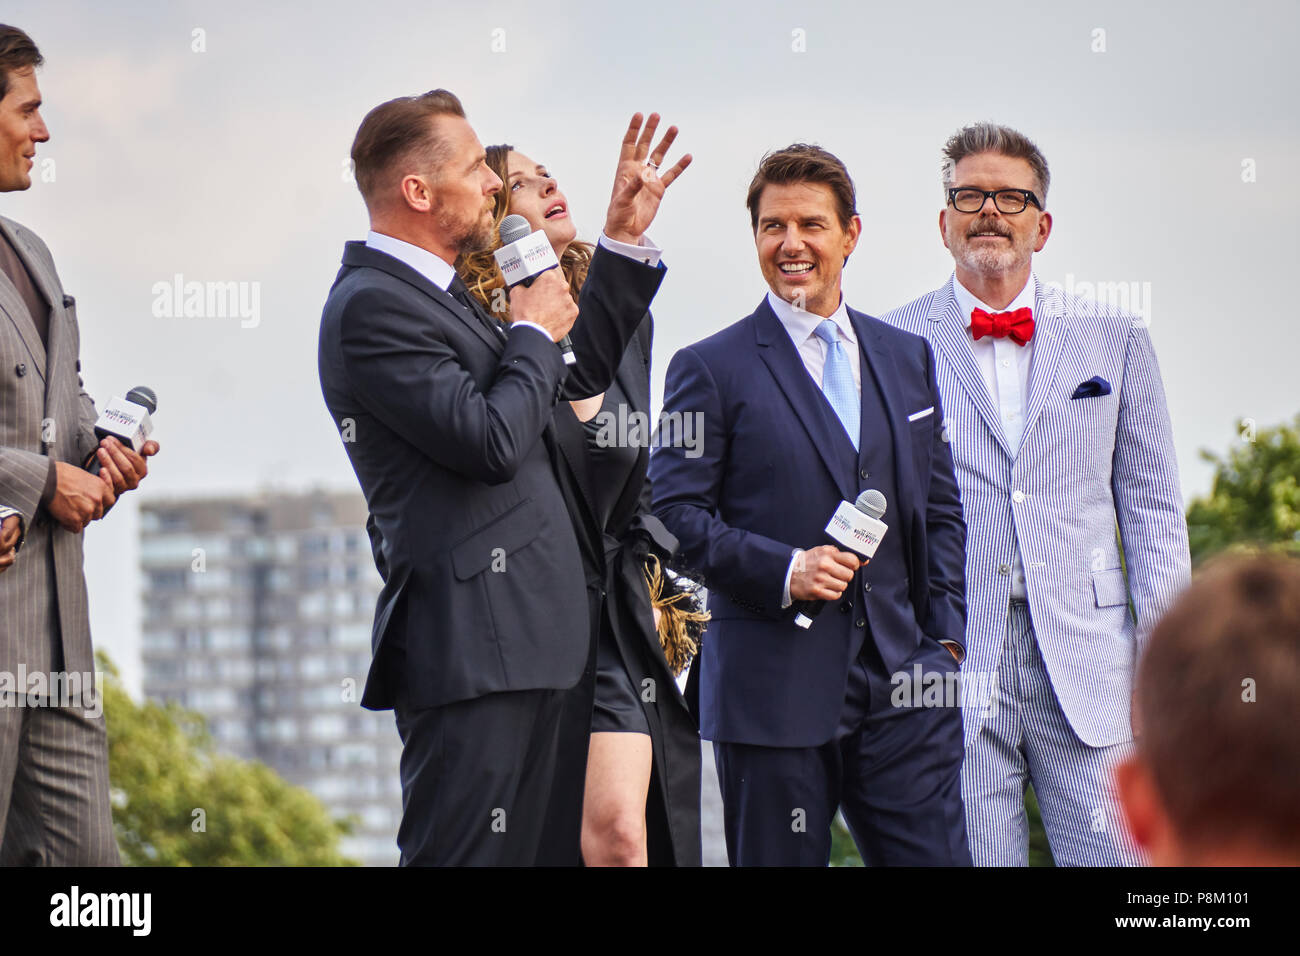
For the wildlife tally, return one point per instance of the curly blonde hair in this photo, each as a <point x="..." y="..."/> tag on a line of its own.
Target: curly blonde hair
<point x="480" y="270"/>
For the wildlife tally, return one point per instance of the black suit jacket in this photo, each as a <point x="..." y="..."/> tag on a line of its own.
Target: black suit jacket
<point x="447" y="428"/>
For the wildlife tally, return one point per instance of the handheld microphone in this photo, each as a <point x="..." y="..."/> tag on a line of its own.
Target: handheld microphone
<point x="523" y="256"/>
<point x="854" y="527"/>
<point x="126" y="419"/>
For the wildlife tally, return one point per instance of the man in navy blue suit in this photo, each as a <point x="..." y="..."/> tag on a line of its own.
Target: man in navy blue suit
<point x="804" y="404"/>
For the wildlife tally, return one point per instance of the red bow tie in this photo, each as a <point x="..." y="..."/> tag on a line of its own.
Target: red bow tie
<point x="1017" y="325"/>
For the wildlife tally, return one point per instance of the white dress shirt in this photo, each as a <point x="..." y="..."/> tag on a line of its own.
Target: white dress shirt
<point x="1005" y="367"/>
<point x="802" y="328"/>
<point x="440" y="272"/>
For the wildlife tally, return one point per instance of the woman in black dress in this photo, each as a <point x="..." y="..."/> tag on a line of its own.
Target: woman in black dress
<point x="641" y="800"/>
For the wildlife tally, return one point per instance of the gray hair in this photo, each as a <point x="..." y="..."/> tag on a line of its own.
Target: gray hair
<point x="991" y="138"/>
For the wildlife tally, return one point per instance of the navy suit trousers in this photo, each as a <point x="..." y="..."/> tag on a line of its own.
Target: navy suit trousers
<point x="893" y="769"/>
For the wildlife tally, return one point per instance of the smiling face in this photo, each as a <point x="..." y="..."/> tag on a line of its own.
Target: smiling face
<point x="535" y="196"/>
<point x="802" y="245"/>
<point x="21" y="128"/>
<point x="990" y="244"/>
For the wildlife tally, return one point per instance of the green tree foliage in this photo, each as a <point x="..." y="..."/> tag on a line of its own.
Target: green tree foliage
<point x="177" y="802"/>
<point x="1040" y="852"/>
<point x="1255" y="499"/>
<point x="843" y="850"/>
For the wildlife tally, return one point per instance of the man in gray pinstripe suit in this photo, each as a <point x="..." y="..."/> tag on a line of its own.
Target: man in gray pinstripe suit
<point x="1060" y="435"/>
<point x="54" y="807"/>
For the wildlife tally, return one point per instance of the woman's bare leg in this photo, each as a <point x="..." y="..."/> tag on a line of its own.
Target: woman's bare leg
<point x="613" y="810"/>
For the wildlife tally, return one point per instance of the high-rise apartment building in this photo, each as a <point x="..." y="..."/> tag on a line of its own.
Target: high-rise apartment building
<point x="257" y="614"/>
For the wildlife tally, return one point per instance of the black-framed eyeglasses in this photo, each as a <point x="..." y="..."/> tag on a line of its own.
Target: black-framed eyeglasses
<point x="1009" y="201"/>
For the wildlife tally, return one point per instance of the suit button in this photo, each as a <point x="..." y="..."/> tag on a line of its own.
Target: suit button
<point x="21" y="369"/>
<point x="1017" y="496"/>
<point x="860" y="623"/>
<point x="845" y="607"/>
<point x="864" y="473"/>
<point x="866" y="585"/>
<point x="1004" y="569"/>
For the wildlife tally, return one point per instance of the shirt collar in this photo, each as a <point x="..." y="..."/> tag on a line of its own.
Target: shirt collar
<point x="422" y="261"/>
<point x="801" y="324"/>
<point x="967" y="302"/>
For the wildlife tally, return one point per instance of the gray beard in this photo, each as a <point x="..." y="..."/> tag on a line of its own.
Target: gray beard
<point x="990" y="262"/>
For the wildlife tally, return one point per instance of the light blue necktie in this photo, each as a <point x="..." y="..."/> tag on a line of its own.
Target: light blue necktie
<point x="837" y="381"/>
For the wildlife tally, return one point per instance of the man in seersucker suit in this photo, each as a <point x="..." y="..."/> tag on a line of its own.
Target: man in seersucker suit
<point x="54" y="807"/>
<point x="1060" y="434"/>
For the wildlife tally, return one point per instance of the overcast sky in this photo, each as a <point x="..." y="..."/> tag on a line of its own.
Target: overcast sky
<point x="220" y="155"/>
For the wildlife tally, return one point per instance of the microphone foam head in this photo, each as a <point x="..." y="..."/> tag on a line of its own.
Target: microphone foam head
<point x="143" y="395"/>
<point x="872" y="503"/>
<point x="513" y="228"/>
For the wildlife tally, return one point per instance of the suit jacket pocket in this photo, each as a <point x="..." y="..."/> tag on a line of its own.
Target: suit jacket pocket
<point x="504" y="534"/>
<point x="922" y="443"/>
<point x="1109" y="588"/>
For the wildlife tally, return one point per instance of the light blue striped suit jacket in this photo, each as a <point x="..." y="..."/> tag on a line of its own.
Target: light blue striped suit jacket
<point x="1085" y="467"/>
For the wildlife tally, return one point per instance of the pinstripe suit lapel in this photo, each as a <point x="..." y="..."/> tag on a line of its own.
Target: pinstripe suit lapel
<point x="1051" y="330"/>
<point x="61" y="383"/>
<point x="59" y="359"/>
<point x="950" y="335"/>
<point x="15" y="309"/>
<point x="805" y="398"/>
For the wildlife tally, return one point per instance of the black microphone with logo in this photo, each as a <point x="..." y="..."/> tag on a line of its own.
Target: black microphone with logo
<point x="853" y="527"/>
<point x="523" y="256"/>
<point x="126" y="419"/>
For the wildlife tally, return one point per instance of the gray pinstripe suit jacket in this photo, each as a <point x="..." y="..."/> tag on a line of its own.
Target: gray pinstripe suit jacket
<point x="44" y="413"/>
<point x="1084" y="467"/>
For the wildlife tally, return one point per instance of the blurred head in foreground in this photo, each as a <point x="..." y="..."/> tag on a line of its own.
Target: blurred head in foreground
<point x="1215" y="779"/>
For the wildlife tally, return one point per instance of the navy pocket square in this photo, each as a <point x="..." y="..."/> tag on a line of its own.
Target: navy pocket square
<point x="1092" y="388"/>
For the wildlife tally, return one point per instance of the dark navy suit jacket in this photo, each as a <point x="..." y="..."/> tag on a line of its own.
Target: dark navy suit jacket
<point x="765" y="481"/>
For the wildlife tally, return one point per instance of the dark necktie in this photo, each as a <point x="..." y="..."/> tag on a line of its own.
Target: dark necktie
<point x="460" y="292"/>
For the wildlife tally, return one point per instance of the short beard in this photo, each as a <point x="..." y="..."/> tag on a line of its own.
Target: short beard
<point x="991" y="262"/>
<point x="481" y="239"/>
<point x="468" y="238"/>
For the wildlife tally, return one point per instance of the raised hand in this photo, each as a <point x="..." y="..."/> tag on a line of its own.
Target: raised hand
<point x="639" y="181"/>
